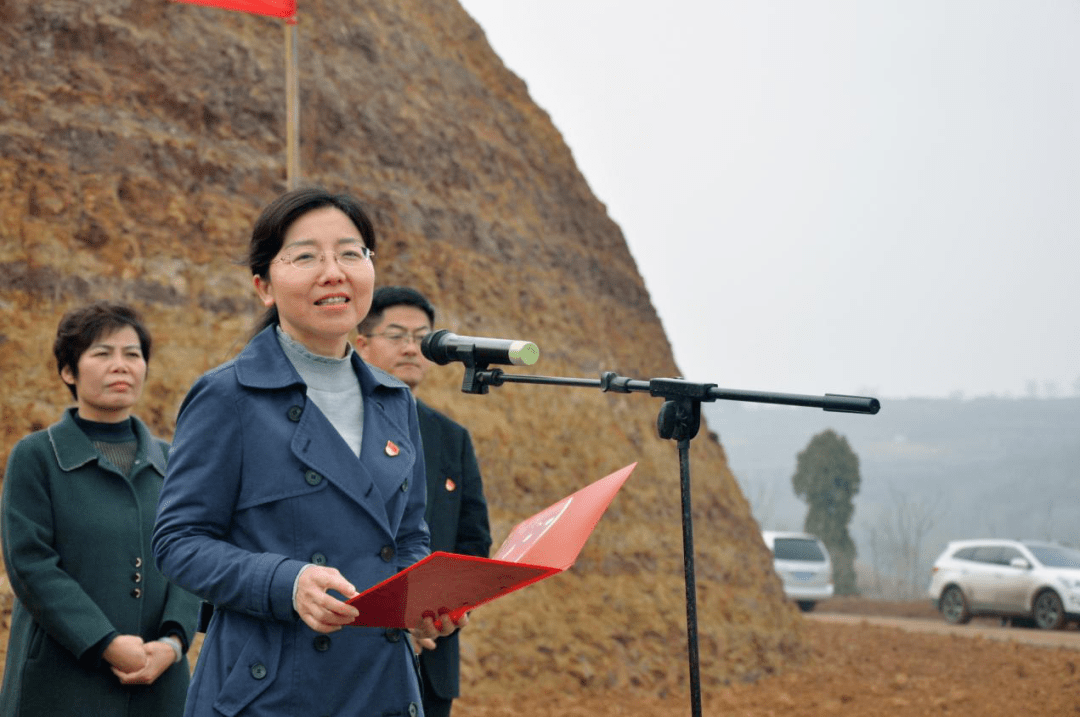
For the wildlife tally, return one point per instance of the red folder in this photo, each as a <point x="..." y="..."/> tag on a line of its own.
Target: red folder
<point x="537" y="547"/>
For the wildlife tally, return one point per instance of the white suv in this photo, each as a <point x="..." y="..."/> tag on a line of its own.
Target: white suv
<point x="803" y="564"/>
<point x="1025" y="581"/>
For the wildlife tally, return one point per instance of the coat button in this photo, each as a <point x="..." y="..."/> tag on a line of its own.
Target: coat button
<point x="258" y="671"/>
<point x="405" y="486"/>
<point x="321" y="643"/>
<point x="138" y="562"/>
<point x="312" y="477"/>
<point x="137" y="577"/>
<point x="136" y="593"/>
<point x="413" y="709"/>
<point x="318" y="559"/>
<point x="392" y="634"/>
<point x="295" y="412"/>
<point x="387" y="553"/>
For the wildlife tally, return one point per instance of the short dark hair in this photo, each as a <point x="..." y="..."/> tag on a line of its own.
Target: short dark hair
<point x="81" y="327"/>
<point x="268" y="234"/>
<point x="387" y="296"/>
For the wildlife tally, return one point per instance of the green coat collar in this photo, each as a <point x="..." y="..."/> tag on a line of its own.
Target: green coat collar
<point x="73" y="448"/>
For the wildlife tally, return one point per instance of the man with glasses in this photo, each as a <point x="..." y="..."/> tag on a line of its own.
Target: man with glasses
<point x="389" y="338"/>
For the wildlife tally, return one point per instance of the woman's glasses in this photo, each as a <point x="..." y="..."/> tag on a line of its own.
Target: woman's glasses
<point x="307" y="259"/>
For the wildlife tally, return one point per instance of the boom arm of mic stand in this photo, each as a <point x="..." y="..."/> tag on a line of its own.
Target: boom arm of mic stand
<point x="675" y="388"/>
<point x="829" y="402"/>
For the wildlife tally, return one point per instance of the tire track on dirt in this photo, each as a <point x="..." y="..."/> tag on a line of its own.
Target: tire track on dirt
<point x="1069" y="638"/>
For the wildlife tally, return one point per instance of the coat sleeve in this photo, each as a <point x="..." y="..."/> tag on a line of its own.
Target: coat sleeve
<point x="56" y="601"/>
<point x="181" y="612"/>
<point x="474" y="531"/>
<point x="195" y="511"/>
<point x="414" y="539"/>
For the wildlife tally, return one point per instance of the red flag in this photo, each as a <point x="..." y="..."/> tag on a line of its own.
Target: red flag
<point x="274" y="8"/>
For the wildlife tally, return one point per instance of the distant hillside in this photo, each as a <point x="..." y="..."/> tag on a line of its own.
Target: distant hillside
<point x="983" y="467"/>
<point x="138" y="141"/>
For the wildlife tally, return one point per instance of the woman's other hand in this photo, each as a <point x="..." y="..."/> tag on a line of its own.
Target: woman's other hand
<point x="319" y="610"/>
<point x="425" y="633"/>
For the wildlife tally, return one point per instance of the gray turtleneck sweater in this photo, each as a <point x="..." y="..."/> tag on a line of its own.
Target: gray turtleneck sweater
<point x="332" y="385"/>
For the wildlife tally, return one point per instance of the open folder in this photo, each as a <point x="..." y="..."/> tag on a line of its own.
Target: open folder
<point x="537" y="547"/>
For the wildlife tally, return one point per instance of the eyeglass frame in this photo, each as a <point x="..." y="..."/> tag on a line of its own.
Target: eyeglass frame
<point x="366" y="254"/>
<point x="403" y="338"/>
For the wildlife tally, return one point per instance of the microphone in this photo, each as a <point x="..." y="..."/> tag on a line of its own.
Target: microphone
<point x="442" y="347"/>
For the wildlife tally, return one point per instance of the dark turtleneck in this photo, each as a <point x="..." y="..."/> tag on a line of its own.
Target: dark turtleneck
<point x="116" y="442"/>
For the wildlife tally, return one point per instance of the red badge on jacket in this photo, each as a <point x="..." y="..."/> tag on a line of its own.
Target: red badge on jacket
<point x="392" y="449"/>
<point x="450" y="485"/>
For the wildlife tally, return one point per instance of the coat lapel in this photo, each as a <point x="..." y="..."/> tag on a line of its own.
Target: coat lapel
<point x="317" y="443"/>
<point x="385" y="453"/>
<point x="70" y="445"/>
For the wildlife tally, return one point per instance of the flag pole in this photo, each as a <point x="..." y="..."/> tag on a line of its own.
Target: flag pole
<point x="285" y="9"/>
<point x="292" y="106"/>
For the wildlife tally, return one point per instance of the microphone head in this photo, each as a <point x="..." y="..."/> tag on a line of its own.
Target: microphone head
<point x="523" y="353"/>
<point x="442" y="347"/>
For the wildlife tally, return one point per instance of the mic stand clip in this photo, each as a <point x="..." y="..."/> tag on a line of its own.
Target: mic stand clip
<point x="473" y="382"/>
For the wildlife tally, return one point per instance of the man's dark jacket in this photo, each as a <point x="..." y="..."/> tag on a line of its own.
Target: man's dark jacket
<point x="457" y="517"/>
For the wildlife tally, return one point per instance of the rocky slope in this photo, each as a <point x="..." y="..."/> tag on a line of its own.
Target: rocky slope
<point x="138" y="140"/>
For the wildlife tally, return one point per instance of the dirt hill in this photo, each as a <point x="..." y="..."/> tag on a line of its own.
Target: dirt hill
<point x="139" y="139"/>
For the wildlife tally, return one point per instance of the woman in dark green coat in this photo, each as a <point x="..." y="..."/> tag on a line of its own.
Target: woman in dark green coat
<point x="96" y="628"/>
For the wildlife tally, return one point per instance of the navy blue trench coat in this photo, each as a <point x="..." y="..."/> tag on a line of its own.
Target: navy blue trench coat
<point x="259" y="484"/>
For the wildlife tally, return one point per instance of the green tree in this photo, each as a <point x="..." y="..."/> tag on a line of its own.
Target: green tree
<point x="827" y="480"/>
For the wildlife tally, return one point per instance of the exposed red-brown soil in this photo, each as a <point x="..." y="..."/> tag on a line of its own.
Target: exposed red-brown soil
<point x="852" y="669"/>
<point x="137" y="143"/>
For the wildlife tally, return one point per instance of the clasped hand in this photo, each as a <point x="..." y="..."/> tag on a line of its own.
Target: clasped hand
<point x="136" y="662"/>
<point x="324" y="613"/>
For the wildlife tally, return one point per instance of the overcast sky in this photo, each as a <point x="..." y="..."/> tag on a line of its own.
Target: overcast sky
<point x="871" y="197"/>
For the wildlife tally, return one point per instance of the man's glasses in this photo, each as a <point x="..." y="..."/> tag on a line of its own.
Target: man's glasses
<point x="399" y="338"/>
<point x="307" y="259"/>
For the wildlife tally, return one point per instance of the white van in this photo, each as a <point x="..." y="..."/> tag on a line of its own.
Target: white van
<point x="804" y="566"/>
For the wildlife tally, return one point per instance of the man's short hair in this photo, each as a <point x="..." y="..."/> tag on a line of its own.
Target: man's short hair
<point x="388" y="296"/>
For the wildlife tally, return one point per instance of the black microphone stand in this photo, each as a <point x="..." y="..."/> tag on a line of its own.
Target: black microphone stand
<point x="679" y="420"/>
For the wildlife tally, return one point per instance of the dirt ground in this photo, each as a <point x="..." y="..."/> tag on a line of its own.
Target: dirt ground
<point x="856" y="669"/>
